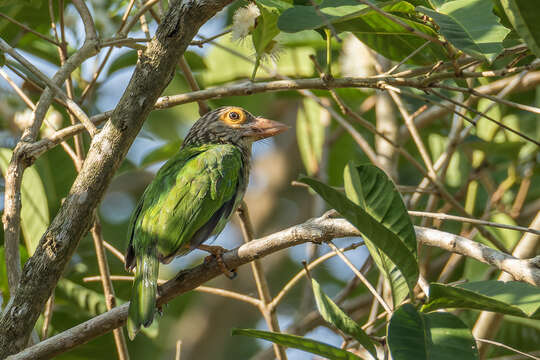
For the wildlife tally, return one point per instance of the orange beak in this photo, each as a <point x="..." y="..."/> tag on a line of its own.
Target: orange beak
<point x="263" y="128"/>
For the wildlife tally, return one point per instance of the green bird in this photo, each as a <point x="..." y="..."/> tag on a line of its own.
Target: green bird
<point x="191" y="198"/>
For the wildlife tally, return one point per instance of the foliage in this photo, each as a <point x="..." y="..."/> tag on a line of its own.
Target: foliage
<point x="476" y="169"/>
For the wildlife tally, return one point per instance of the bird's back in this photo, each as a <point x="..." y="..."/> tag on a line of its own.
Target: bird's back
<point x="191" y="197"/>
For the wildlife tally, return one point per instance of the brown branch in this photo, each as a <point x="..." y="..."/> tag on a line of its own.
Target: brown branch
<point x="443" y="216"/>
<point x="20" y="161"/>
<point x="528" y="82"/>
<point x="73" y="107"/>
<point x="488" y="323"/>
<point x="108" y="289"/>
<point x="184" y="66"/>
<point x="263" y="289"/>
<point x="314" y="230"/>
<point x="152" y="74"/>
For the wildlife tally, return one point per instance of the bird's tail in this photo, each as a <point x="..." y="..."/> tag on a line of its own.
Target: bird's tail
<point x="143" y="295"/>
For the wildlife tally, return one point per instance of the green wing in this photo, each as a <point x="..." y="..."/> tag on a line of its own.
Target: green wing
<point x="191" y="197"/>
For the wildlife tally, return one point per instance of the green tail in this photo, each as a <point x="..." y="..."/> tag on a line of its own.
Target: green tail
<point x="143" y="295"/>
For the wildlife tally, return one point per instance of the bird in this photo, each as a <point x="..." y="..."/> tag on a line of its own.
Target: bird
<point x="191" y="198"/>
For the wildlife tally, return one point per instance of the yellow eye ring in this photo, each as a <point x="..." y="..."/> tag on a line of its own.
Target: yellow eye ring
<point x="233" y="116"/>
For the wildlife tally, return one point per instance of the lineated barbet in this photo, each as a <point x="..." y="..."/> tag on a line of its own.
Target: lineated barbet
<point x="191" y="198"/>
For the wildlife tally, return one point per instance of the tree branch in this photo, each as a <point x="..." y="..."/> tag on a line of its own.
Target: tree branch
<point x="316" y="230"/>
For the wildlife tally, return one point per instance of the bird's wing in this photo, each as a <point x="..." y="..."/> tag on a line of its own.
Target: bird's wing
<point x="187" y="199"/>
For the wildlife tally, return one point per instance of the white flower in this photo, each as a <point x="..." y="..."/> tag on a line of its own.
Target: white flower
<point x="244" y="21"/>
<point x="23" y="119"/>
<point x="53" y="121"/>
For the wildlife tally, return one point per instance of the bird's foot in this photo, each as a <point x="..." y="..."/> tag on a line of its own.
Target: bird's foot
<point x="217" y="253"/>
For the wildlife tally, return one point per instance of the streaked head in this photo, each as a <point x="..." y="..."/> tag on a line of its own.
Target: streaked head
<point x="232" y="125"/>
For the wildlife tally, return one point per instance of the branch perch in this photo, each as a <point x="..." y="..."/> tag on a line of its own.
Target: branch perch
<point x="316" y="230"/>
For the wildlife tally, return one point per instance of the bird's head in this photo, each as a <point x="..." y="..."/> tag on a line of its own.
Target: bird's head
<point x="232" y="125"/>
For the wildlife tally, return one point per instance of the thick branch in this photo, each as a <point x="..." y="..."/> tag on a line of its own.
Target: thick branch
<point x="314" y="230"/>
<point x="153" y="72"/>
<point x="528" y="82"/>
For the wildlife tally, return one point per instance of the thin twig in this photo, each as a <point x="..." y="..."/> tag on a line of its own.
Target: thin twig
<point x="62" y="51"/>
<point x="108" y="289"/>
<point x="200" y="43"/>
<point x="101" y="66"/>
<point x="203" y="107"/>
<point x="441" y="216"/>
<point x="262" y="285"/>
<point x="296" y="278"/>
<point x="205" y="289"/>
<point x="458" y="137"/>
<point x="117" y="253"/>
<point x="230" y="294"/>
<point x="474" y="92"/>
<point x="484" y="115"/>
<point x="130" y="42"/>
<point x="360" y="276"/>
<point x="127" y="28"/>
<point x="243" y="89"/>
<point x="47" y="317"/>
<point x="18" y="90"/>
<point x="409" y="122"/>
<point x="496" y="343"/>
<point x="29" y="29"/>
<point x="71" y="105"/>
<point x="395" y="67"/>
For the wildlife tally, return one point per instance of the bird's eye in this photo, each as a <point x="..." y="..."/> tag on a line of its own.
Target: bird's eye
<point x="234" y="116"/>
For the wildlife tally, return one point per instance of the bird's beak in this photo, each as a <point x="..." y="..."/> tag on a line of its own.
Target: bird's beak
<point x="263" y="128"/>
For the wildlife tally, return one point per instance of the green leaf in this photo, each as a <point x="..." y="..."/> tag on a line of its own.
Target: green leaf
<point x="162" y="153"/>
<point x="195" y="61"/>
<point x="524" y="15"/>
<point x="32" y="13"/>
<point x="470" y="26"/>
<point x="298" y="342"/>
<point x="85" y="299"/>
<point x="513" y="297"/>
<point x="372" y="230"/>
<point x="306" y="17"/>
<point x="373" y="29"/>
<point x="335" y="316"/>
<point x="458" y="168"/>
<point x="34" y="208"/>
<point x="377" y="31"/>
<point x="240" y="68"/>
<point x="437" y="336"/>
<point x="310" y="135"/>
<point x="125" y="60"/>
<point x="266" y="30"/>
<point x="507" y="149"/>
<point x="406" y="333"/>
<point x="371" y="189"/>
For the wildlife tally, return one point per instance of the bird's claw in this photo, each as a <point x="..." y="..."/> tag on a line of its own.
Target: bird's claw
<point x="217" y="253"/>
